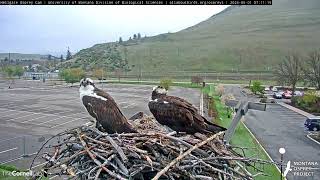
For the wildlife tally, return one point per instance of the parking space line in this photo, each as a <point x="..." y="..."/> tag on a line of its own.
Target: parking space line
<point x="31" y="119"/>
<point x="19" y="117"/>
<point x="65" y="123"/>
<point x="14" y="114"/>
<point x="50" y="120"/>
<point x="41" y="164"/>
<point x="62" y="116"/>
<point x="129" y="105"/>
<point x="12" y="149"/>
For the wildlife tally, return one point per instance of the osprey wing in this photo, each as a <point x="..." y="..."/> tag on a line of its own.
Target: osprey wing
<point x="172" y="114"/>
<point x="200" y="123"/>
<point x="102" y="107"/>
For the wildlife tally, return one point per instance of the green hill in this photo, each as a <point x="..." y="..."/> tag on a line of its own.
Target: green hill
<point x="21" y="56"/>
<point x="245" y="38"/>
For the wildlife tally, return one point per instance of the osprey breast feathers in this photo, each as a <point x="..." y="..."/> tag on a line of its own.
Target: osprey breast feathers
<point x="89" y="91"/>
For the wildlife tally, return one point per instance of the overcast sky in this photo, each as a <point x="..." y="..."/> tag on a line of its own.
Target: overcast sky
<point x="51" y="29"/>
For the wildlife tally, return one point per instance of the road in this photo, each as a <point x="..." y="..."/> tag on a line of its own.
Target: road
<point x="280" y="127"/>
<point x="31" y="115"/>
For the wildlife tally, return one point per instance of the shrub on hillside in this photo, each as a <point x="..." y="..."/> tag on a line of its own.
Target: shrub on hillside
<point x="72" y="75"/>
<point x="196" y="79"/>
<point x="166" y="83"/>
<point x="256" y="87"/>
<point x="309" y="102"/>
<point x="220" y="90"/>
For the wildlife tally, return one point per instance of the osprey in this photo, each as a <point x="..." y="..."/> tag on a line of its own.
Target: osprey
<point x="101" y="106"/>
<point x="179" y="114"/>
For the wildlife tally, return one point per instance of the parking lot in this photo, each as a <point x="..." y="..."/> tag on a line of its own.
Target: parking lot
<point x="30" y="115"/>
<point x="278" y="127"/>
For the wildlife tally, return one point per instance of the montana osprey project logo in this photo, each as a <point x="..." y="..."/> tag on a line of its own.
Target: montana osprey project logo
<point x="288" y="169"/>
<point x="302" y="168"/>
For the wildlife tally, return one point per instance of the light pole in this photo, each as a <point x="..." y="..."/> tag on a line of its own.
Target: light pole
<point x="281" y="151"/>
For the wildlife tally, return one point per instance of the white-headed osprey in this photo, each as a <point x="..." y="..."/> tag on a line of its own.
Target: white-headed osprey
<point x="103" y="108"/>
<point x="178" y="114"/>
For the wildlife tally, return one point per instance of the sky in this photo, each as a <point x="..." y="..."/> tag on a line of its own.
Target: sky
<point x="51" y="29"/>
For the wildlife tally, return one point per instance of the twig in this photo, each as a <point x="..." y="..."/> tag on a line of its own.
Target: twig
<point x="164" y="170"/>
<point x="118" y="149"/>
<point x="96" y="161"/>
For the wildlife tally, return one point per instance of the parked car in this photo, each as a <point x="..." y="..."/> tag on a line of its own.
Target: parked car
<point x="313" y="123"/>
<point x="277" y="95"/>
<point x="281" y="92"/>
<point x="298" y="93"/>
<point x="287" y="95"/>
<point x="274" y="89"/>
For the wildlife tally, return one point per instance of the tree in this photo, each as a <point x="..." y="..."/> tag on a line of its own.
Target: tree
<point x="69" y="55"/>
<point x="9" y="71"/>
<point x="139" y="36"/>
<point x="61" y="58"/>
<point x="311" y="69"/>
<point x="49" y="57"/>
<point x="120" y="40"/>
<point x="18" y="71"/>
<point x="166" y="83"/>
<point x="130" y="39"/>
<point x="99" y="73"/>
<point x="289" y="71"/>
<point x="72" y="75"/>
<point x="256" y="87"/>
<point x="134" y="36"/>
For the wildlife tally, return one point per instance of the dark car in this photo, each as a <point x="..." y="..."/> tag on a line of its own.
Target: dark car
<point x="313" y="124"/>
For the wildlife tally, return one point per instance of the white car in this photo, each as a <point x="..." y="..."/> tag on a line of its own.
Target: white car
<point x="277" y="95"/>
<point x="298" y="93"/>
<point x="274" y="89"/>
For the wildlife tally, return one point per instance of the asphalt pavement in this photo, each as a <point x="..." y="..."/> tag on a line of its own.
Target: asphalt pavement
<point x="280" y="127"/>
<point x="31" y="112"/>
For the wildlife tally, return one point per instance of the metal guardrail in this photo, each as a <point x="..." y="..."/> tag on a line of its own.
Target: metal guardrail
<point x="16" y="148"/>
<point x="241" y="107"/>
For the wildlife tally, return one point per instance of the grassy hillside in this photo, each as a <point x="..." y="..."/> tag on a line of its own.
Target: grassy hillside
<point x="239" y="38"/>
<point x="20" y="56"/>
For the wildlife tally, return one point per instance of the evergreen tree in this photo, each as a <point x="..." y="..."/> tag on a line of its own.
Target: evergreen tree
<point x="61" y="58"/>
<point x="134" y="36"/>
<point x="69" y="56"/>
<point x="139" y="36"/>
<point x="120" y="40"/>
<point x="49" y="57"/>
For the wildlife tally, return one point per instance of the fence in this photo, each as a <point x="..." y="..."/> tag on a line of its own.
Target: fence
<point x="184" y="75"/>
<point x="16" y="148"/>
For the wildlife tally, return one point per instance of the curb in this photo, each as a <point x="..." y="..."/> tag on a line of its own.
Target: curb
<point x="294" y="109"/>
<point x="308" y="136"/>
<point x="201" y="104"/>
<point x="264" y="150"/>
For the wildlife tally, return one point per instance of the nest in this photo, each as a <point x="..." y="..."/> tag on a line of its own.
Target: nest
<point x="153" y="153"/>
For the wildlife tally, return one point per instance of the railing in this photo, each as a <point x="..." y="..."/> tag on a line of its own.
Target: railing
<point x="17" y="148"/>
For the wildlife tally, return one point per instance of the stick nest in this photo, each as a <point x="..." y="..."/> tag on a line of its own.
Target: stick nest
<point x="153" y="153"/>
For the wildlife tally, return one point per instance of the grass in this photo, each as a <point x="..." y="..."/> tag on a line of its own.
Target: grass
<point x="21" y="56"/>
<point x="242" y="136"/>
<point x="178" y="84"/>
<point x="243" y="38"/>
<point x="6" y="169"/>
